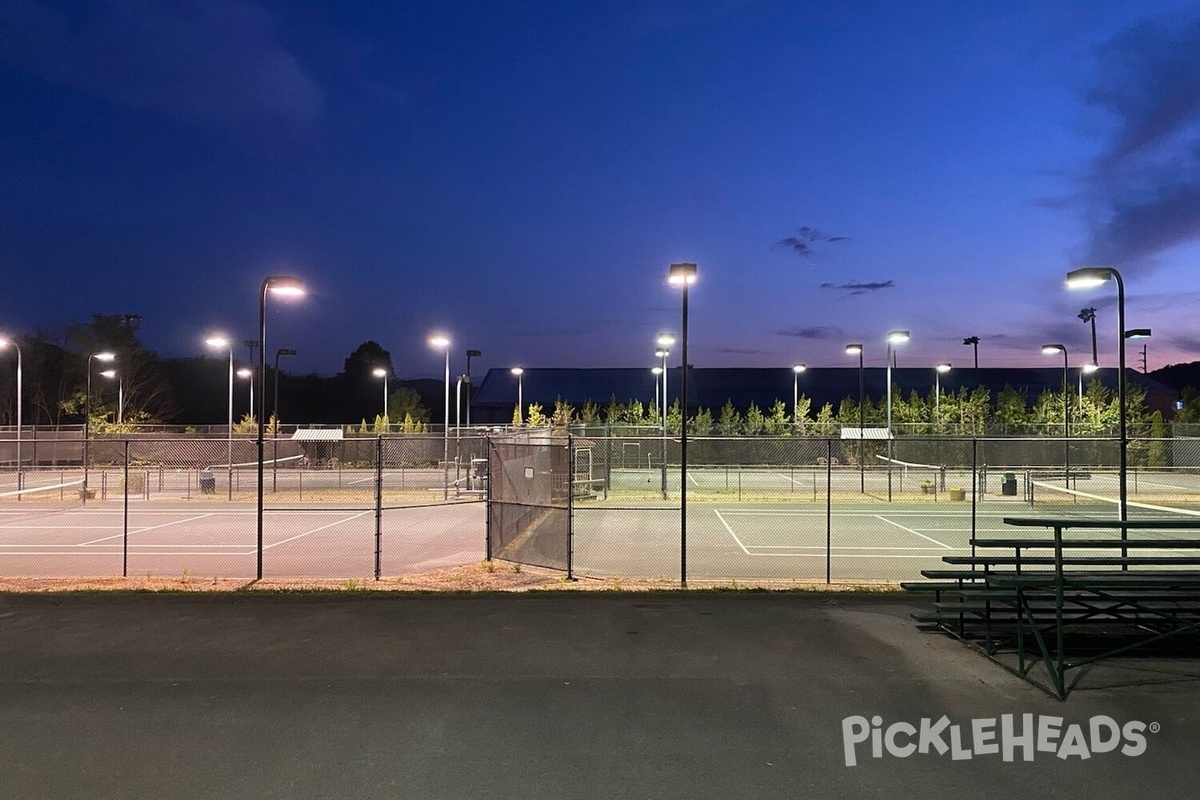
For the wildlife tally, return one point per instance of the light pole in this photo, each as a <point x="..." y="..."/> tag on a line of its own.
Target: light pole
<point x="106" y="357"/>
<point x="248" y="374"/>
<point x="893" y="338"/>
<point x="683" y="275"/>
<point x="938" y="371"/>
<point x="118" y="416"/>
<point x="973" y="341"/>
<point x="283" y="286"/>
<point x="1051" y="349"/>
<point x="5" y="342"/>
<point x="796" y="370"/>
<point x="283" y="351"/>
<point x="218" y="342"/>
<point x="665" y="342"/>
<point x="1083" y="278"/>
<point x="520" y="399"/>
<point x="380" y="372"/>
<point x="1089" y="315"/>
<point x="444" y="343"/>
<point x="1086" y="369"/>
<point x="470" y="354"/>
<point x="856" y="349"/>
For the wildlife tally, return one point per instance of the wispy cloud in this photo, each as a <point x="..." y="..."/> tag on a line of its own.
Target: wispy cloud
<point x="860" y="288"/>
<point x="810" y="332"/>
<point x="802" y="243"/>
<point x="742" y="351"/>
<point x="1142" y="193"/>
<point x="217" y="62"/>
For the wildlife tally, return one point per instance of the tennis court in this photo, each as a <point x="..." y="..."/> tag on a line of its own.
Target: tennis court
<point x="103" y="538"/>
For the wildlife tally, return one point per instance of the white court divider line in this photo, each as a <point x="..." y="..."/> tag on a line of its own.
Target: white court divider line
<point x="147" y="528"/>
<point x="1131" y="504"/>
<point x="914" y="533"/>
<point x="731" y="533"/>
<point x="316" y="530"/>
<point x="836" y="547"/>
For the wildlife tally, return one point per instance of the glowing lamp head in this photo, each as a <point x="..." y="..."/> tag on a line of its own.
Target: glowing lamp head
<point x="245" y="372"/>
<point x="1053" y="349"/>
<point x="379" y="372"/>
<point x="1088" y="369"/>
<point x="942" y="368"/>
<point x="439" y="341"/>
<point x="897" y="337"/>
<point x="854" y="349"/>
<point x="105" y="356"/>
<point x="109" y="373"/>
<point x="217" y="341"/>
<point x="798" y="368"/>
<point x="682" y="274"/>
<point x="665" y="340"/>
<point x="656" y="370"/>
<point x="1088" y="277"/>
<point x="285" y="286"/>
<point x="517" y="371"/>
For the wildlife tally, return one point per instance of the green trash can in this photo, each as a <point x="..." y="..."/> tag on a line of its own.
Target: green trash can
<point x="1008" y="484"/>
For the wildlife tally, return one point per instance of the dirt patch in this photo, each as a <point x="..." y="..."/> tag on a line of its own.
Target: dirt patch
<point x="494" y="576"/>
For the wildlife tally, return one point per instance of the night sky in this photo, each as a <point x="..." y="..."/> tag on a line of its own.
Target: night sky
<point x="520" y="175"/>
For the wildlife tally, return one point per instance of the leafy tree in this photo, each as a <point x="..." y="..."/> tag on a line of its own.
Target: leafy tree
<point x="674" y="418"/>
<point x="146" y="387"/>
<point x="612" y="411"/>
<point x="826" y="425"/>
<point x="755" y="423"/>
<point x="536" y="418"/>
<point x="702" y="425"/>
<point x="590" y="414"/>
<point x="405" y="402"/>
<point x="563" y="414"/>
<point x="776" y="423"/>
<point x="730" y="421"/>
<point x="246" y="426"/>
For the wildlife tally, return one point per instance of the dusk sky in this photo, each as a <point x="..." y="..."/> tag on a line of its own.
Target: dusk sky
<point x="519" y="176"/>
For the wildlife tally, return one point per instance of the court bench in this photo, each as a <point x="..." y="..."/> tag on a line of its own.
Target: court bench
<point x="1093" y="585"/>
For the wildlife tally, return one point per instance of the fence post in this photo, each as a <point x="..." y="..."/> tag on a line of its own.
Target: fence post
<point x="378" y="506"/>
<point x="975" y="488"/>
<point x="570" y="505"/>
<point x="125" y="521"/>
<point x="828" y="510"/>
<point x="491" y="477"/>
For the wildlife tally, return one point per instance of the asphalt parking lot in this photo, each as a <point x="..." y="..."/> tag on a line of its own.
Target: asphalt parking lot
<point x="565" y="695"/>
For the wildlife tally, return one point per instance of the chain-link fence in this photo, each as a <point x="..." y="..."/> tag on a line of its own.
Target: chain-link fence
<point x="354" y="508"/>
<point x="759" y="508"/>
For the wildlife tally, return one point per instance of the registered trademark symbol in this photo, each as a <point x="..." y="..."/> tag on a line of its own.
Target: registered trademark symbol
<point x="1155" y="727"/>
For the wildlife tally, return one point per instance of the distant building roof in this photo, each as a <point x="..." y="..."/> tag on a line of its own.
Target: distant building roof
<point x="318" y="435"/>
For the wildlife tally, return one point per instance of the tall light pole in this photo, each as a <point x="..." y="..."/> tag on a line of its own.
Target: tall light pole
<point x="248" y="374"/>
<point x="442" y="342"/>
<point x="518" y="371"/>
<point x="282" y="286"/>
<point x="665" y="342"/>
<point x="380" y="372"/>
<point x="283" y="351"/>
<point x="1083" y="278"/>
<point x="1089" y="315"/>
<point x="1052" y="349"/>
<point x="5" y="342"/>
<point x="106" y="357"/>
<point x="938" y="371"/>
<point x="893" y="338"/>
<point x="973" y="341"/>
<point x="683" y="275"/>
<point x="796" y="370"/>
<point x="219" y="342"/>
<point x="118" y="415"/>
<point x="856" y="349"/>
<point x="470" y="354"/>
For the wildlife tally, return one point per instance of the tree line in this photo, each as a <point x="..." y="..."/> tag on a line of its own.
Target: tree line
<point x="193" y="390"/>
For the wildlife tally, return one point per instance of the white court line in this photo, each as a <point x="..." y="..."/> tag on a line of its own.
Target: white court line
<point x="316" y="530"/>
<point x="734" y="535"/>
<point x="115" y="552"/>
<point x="147" y="528"/>
<point x="914" y="533"/>
<point x="821" y="547"/>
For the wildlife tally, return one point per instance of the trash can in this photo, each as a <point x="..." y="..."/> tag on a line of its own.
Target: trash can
<point x="1008" y="484"/>
<point x="208" y="482"/>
